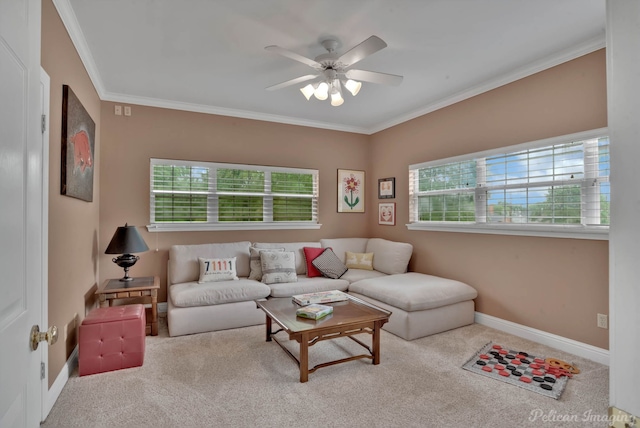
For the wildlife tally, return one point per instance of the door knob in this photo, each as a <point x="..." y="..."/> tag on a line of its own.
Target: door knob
<point x="51" y="336"/>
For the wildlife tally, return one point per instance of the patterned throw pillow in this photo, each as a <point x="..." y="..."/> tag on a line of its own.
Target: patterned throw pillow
<point x="278" y="266"/>
<point x="359" y="260"/>
<point x="329" y="264"/>
<point x="310" y="253"/>
<point x="217" y="270"/>
<point x="255" y="264"/>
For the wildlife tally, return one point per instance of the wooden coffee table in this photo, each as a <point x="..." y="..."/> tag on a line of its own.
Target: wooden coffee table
<point x="349" y="318"/>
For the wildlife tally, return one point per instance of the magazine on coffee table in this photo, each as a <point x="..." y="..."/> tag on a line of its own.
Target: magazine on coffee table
<point x="320" y="297"/>
<point x="314" y="311"/>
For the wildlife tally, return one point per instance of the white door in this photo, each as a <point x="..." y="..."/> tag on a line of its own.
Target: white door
<point x="20" y="212"/>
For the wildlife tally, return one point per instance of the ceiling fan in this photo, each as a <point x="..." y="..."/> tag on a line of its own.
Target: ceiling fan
<point x="334" y="71"/>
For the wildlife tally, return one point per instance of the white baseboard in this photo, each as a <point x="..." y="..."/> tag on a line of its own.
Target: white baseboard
<point x="162" y="307"/>
<point x="571" y="346"/>
<point x="61" y="380"/>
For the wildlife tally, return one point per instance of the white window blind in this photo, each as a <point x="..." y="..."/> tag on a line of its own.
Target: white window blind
<point x="185" y="194"/>
<point x="561" y="184"/>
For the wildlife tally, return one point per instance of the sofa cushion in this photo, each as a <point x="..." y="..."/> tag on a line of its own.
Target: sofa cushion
<point x="329" y="264"/>
<point x="214" y="293"/>
<point x="414" y="291"/>
<point x="307" y="285"/>
<point x="388" y="256"/>
<point x="255" y="265"/>
<point x="362" y="261"/>
<point x="310" y="253"/>
<point x="354" y="275"/>
<point x="183" y="259"/>
<point x="341" y="245"/>
<point x="296" y="247"/>
<point x="278" y="266"/>
<point x="212" y="270"/>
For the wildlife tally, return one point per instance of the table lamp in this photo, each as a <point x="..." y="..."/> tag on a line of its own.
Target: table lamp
<point x="125" y="241"/>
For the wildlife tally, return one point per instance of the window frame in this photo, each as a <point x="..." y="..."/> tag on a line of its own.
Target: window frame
<point x="592" y="232"/>
<point x="213" y="224"/>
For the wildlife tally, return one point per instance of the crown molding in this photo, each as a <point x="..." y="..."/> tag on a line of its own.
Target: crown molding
<point x="77" y="37"/>
<point x="68" y="17"/>
<point x="545" y="63"/>
<point x="244" y="114"/>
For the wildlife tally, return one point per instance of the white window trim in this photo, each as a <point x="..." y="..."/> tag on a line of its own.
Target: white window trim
<point x="188" y="227"/>
<point x="557" y="231"/>
<point x="231" y="226"/>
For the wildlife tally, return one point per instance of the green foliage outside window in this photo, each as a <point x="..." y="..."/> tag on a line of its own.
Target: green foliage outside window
<point x="181" y="194"/>
<point x="291" y="208"/>
<point x="181" y="206"/>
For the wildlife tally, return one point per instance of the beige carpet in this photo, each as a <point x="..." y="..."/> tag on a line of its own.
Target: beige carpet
<point x="234" y="378"/>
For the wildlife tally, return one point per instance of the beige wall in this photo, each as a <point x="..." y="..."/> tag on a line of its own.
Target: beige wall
<point x="73" y="224"/>
<point x="555" y="285"/>
<point x="129" y="142"/>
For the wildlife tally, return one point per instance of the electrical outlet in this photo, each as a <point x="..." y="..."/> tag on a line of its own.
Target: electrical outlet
<point x="118" y="110"/>
<point x="603" y="321"/>
<point x="127" y="110"/>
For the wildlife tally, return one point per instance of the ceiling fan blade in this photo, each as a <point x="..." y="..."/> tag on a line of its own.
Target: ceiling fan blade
<point x="294" y="56"/>
<point x="372" y="45"/>
<point x="292" y="82"/>
<point x="374" y="77"/>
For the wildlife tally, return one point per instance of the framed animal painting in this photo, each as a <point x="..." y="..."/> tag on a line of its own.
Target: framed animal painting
<point x="78" y="143"/>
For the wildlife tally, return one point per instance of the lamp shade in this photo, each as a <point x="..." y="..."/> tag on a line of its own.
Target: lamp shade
<point x="308" y="90"/>
<point x="322" y="91"/>
<point x="353" y="86"/>
<point x="126" y="240"/>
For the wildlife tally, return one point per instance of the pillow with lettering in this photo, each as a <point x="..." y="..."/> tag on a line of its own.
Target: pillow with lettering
<point x="217" y="270"/>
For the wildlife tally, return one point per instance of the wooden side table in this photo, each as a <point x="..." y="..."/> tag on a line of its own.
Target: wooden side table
<point x="143" y="287"/>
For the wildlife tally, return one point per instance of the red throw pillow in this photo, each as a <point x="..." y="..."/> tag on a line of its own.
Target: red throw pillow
<point x="310" y="253"/>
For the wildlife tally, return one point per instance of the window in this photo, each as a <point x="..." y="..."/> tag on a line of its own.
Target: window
<point x="189" y="195"/>
<point x="560" y="185"/>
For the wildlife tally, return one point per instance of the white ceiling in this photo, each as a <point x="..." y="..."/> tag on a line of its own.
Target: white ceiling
<point x="208" y="55"/>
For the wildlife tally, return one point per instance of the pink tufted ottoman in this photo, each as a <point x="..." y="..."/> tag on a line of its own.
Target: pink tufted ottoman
<point x="112" y="338"/>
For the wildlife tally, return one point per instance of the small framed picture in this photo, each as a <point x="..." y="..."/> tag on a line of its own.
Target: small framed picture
<point x="350" y="191"/>
<point x="387" y="188"/>
<point x="387" y="213"/>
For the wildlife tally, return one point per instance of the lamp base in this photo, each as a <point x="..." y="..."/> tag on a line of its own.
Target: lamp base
<point x="126" y="261"/>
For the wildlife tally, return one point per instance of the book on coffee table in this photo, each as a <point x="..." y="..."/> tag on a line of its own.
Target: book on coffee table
<point x="314" y="311"/>
<point x="320" y="297"/>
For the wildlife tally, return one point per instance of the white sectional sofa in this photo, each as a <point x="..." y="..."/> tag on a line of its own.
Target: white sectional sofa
<point x="420" y="304"/>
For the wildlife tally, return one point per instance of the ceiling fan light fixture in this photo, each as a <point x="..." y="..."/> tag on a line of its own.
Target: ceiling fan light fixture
<point x="336" y="99"/>
<point x="322" y="91"/>
<point x="308" y="90"/>
<point x="353" y="86"/>
<point x="336" y="94"/>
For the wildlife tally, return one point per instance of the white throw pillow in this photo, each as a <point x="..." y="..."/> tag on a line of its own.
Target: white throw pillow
<point x="278" y="266"/>
<point x="255" y="265"/>
<point x="217" y="270"/>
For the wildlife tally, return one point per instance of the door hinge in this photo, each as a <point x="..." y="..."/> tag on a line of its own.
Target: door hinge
<point x="42" y="374"/>
<point x="44" y="123"/>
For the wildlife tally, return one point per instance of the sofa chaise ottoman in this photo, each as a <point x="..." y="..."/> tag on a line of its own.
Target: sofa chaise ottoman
<point x="421" y="304"/>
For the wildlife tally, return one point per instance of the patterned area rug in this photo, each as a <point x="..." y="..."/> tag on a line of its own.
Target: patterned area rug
<point x="517" y="368"/>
